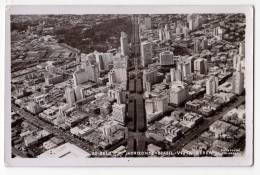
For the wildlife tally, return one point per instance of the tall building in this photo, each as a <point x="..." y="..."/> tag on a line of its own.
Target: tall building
<point x="237" y="62"/>
<point x="118" y="112"/>
<point x="70" y="96"/>
<point x="166" y="58"/>
<point x="111" y="77"/>
<point x="150" y="75"/>
<point x="102" y="59"/>
<point x="156" y="105"/>
<point x="185" y="31"/>
<point x="186" y="69"/>
<point x="146" y="53"/>
<point x="238" y="82"/>
<point x="178" y="93"/>
<point x="120" y="68"/>
<point x="218" y="32"/>
<point x="91" y="70"/>
<point x="176" y="75"/>
<point x="204" y="44"/>
<point x="201" y="66"/>
<point x="164" y="33"/>
<point x="191" y="60"/>
<point x="124" y="44"/>
<point x="212" y="85"/>
<point x="167" y="32"/>
<point x="197" y="21"/>
<point x="190" y="23"/>
<point x="148" y="22"/>
<point x="197" y="45"/>
<point x="119" y="96"/>
<point x="135" y="40"/>
<point x="242" y="49"/>
<point x="161" y="34"/>
<point x="80" y="77"/>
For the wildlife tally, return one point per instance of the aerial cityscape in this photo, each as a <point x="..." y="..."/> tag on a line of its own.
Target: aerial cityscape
<point x="128" y="85"/>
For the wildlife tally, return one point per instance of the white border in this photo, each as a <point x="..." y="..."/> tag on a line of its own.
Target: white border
<point x="246" y="160"/>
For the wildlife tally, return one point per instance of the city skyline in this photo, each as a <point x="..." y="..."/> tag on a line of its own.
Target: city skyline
<point x="142" y="85"/>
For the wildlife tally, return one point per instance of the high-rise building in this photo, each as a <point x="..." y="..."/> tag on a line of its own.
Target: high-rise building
<point x="242" y="49"/>
<point x="218" y="32"/>
<point x="191" y="60"/>
<point x="185" y="31"/>
<point x="124" y="44"/>
<point x="150" y="75"/>
<point x="237" y="62"/>
<point x="111" y="77"/>
<point x="186" y="69"/>
<point x="204" y="44"/>
<point x="166" y="58"/>
<point x="146" y="53"/>
<point x="70" y="96"/>
<point x="201" y="66"/>
<point x="156" y="105"/>
<point x="148" y="22"/>
<point x="135" y="40"/>
<point x="91" y="70"/>
<point x="118" y="112"/>
<point x="178" y="93"/>
<point x="197" y="22"/>
<point x="120" y="68"/>
<point x="80" y="77"/>
<point x="161" y="34"/>
<point x="197" y="45"/>
<point x="167" y="32"/>
<point x="176" y="75"/>
<point x="238" y="82"/>
<point x="119" y="96"/>
<point x="212" y="85"/>
<point x="190" y="23"/>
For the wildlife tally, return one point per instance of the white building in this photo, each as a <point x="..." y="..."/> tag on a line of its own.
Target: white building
<point x="119" y="112"/>
<point x="124" y="44"/>
<point x="146" y="53"/>
<point x="178" y="93"/>
<point x="70" y="96"/>
<point x="66" y="150"/>
<point x="238" y="82"/>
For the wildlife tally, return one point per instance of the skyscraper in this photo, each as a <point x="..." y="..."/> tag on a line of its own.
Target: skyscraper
<point x="119" y="112"/>
<point x="204" y="44"/>
<point x="201" y="66"/>
<point x="135" y="40"/>
<point x="70" y="96"/>
<point x="146" y="53"/>
<point x="176" y="75"/>
<point x="197" y="45"/>
<point x="212" y="85"/>
<point x="166" y="58"/>
<point x="178" y="93"/>
<point x="238" y="82"/>
<point x="124" y="44"/>
<point x="148" y="22"/>
<point x="120" y="68"/>
<point x="242" y="49"/>
<point x="237" y="62"/>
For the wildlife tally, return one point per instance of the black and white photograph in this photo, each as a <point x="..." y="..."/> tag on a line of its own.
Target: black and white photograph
<point x="142" y="87"/>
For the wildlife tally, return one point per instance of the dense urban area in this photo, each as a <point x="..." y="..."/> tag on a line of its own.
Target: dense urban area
<point x="86" y="86"/>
